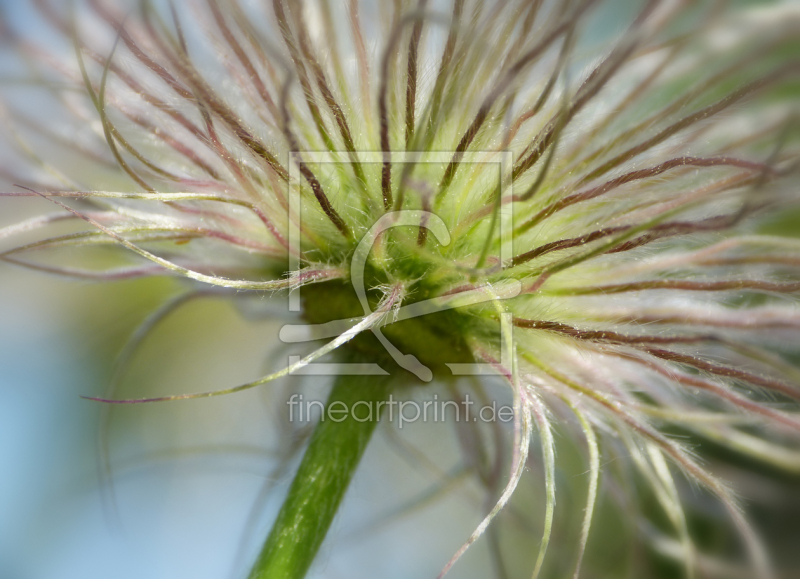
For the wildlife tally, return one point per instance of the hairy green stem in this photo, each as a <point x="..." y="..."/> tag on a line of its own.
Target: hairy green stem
<point x="332" y="456"/>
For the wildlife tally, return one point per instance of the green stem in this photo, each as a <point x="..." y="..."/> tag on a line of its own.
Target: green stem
<point x="321" y="481"/>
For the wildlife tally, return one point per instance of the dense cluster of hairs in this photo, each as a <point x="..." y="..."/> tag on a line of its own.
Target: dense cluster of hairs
<point x="608" y="192"/>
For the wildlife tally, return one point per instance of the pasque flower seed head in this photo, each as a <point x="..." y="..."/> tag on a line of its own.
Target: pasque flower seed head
<point x="578" y="196"/>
